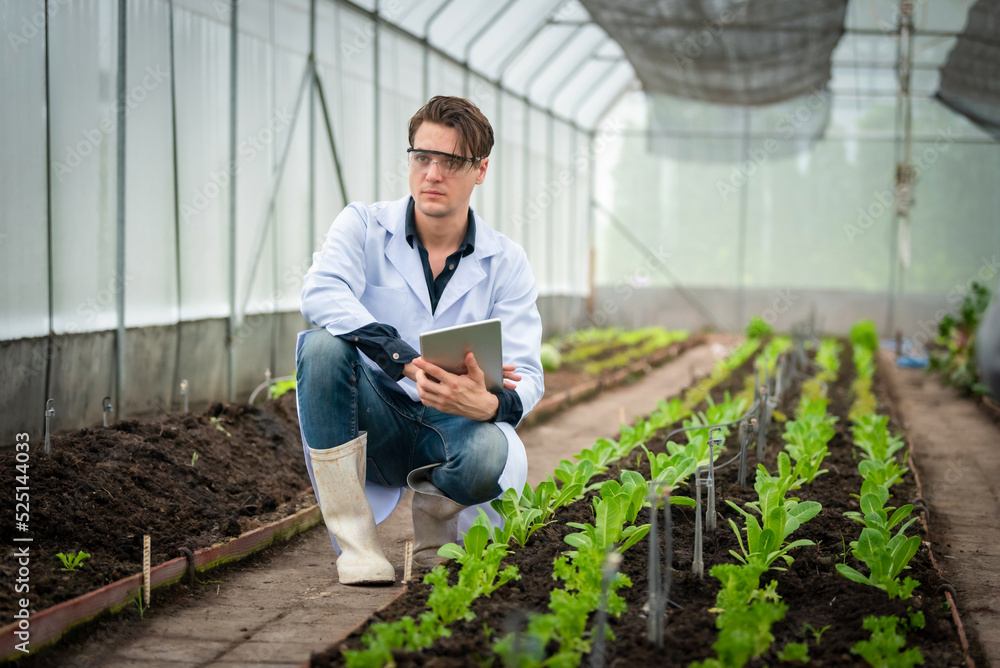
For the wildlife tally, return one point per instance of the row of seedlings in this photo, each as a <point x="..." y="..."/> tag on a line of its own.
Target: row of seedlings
<point x="484" y="549"/>
<point x="883" y="547"/>
<point x="590" y="572"/>
<point x="748" y="611"/>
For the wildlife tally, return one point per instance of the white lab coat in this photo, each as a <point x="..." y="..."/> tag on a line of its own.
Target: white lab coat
<point x="366" y="272"/>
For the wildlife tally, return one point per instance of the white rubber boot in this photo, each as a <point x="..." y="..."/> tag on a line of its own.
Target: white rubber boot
<point x="340" y="478"/>
<point x="435" y="522"/>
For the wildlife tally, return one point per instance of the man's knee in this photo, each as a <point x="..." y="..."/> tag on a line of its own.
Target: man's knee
<point x="483" y="464"/>
<point x="324" y="349"/>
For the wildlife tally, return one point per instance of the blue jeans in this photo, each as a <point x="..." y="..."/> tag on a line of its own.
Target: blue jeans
<point x="340" y="396"/>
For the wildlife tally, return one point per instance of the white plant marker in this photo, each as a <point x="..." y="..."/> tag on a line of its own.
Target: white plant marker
<point x="106" y="408"/>
<point x="145" y="570"/>
<point x="407" y="561"/>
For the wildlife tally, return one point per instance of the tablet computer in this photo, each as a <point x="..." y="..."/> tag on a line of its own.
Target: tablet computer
<point x="447" y="348"/>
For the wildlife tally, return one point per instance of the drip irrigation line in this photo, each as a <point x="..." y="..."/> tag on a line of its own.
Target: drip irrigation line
<point x="265" y="384"/>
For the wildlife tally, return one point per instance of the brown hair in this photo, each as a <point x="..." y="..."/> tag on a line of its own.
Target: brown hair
<point x="475" y="134"/>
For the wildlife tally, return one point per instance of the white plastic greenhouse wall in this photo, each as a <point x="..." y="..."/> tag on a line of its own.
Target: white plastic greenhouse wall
<point x="132" y="266"/>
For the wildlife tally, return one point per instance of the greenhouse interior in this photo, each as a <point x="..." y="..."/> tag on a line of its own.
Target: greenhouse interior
<point x="676" y="321"/>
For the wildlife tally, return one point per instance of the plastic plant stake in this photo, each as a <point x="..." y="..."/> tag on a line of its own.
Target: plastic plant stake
<point x="778" y="375"/>
<point x="611" y="565"/>
<point x="756" y="382"/>
<point x="741" y="466"/>
<point x="660" y="574"/>
<point x="698" y="563"/>
<point x="762" y="414"/>
<point x="267" y="381"/>
<point x="184" y="393"/>
<point x="667" y="576"/>
<point x="710" y="480"/>
<point x="106" y="408"/>
<point x="50" y="410"/>
<point x="668" y="554"/>
<point x="746" y="435"/>
<point x="652" y="625"/>
<point x="512" y="625"/>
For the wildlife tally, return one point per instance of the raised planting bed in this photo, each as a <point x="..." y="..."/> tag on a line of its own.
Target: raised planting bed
<point x="819" y="610"/>
<point x="594" y="360"/>
<point x="207" y="488"/>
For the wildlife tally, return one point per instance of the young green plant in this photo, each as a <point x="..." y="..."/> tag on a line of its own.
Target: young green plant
<point x="71" y="560"/>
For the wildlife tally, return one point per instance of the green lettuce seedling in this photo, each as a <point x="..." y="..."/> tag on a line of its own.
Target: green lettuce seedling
<point x="480" y="559"/>
<point x="520" y="517"/>
<point x="610" y="512"/>
<point x="881" y="473"/>
<point x="795" y="651"/>
<point x="807" y="439"/>
<point x="480" y="575"/>
<point x="71" y="560"/>
<point x="863" y="333"/>
<point x="886" y="559"/>
<point x="779" y="518"/>
<point x="281" y="387"/>
<point x="884" y="647"/>
<point x="746" y="615"/>
<point x="601" y="454"/>
<point x="667" y="413"/>
<point x="672" y="471"/>
<point x="569" y="473"/>
<point x="872" y="435"/>
<point x="758" y="328"/>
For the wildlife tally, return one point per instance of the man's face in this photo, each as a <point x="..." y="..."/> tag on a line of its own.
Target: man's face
<point x="435" y="194"/>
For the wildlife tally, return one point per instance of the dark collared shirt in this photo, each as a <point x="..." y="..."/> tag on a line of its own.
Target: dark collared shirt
<point x="381" y="342"/>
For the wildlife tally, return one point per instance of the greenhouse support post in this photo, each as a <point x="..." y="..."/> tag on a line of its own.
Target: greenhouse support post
<point x="311" y="78"/>
<point x="324" y="108"/>
<point x="899" y="255"/>
<point x="275" y="260"/>
<point x="261" y="234"/>
<point x="520" y="48"/>
<point x="427" y="46"/>
<point x="377" y="95"/>
<point x="741" y="229"/>
<point x="177" y="202"/>
<point x="311" y="226"/>
<point x="533" y="77"/>
<point x="232" y="322"/>
<point x="119" y="380"/>
<point x="492" y="23"/>
<point x="550" y="168"/>
<point x="50" y="265"/>
<point x="591" y="232"/>
<point x="573" y="228"/>
<point x="498" y="152"/>
<point x="561" y="86"/>
<point x="526" y="193"/>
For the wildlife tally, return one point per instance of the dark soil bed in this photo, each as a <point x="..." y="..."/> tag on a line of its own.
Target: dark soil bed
<point x="814" y="592"/>
<point x="100" y="490"/>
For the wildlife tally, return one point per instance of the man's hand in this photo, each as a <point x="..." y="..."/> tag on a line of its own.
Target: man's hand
<point x="458" y="394"/>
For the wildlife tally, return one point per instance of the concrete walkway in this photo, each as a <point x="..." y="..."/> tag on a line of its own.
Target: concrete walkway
<point x="276" y="612"/>
<point x="957" y="452"/>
